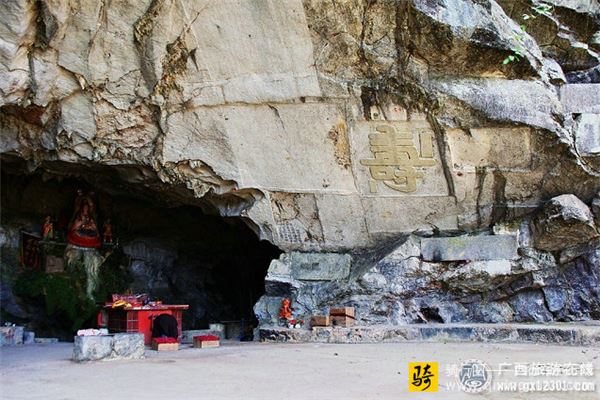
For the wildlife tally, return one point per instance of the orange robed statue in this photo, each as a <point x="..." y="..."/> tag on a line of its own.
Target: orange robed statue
<point x="285" y="311"/>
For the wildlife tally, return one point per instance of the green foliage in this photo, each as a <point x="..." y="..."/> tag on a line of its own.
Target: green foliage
<point x="63" y="295"/>
<point x="519" y="50"/>
<point x="542" y="9"/>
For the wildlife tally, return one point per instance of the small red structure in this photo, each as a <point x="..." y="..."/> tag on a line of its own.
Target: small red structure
<point x="139" y="318"/>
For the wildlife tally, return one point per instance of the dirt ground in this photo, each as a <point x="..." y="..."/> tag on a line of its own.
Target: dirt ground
<point x="277" y="371"/>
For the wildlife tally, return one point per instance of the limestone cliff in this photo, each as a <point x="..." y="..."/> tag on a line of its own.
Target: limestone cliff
<point x="264" y="106"/>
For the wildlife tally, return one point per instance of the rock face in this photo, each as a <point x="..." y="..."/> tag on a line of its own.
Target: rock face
<point x="275" y="121"/>
<point x="407" y="285"/>
<point x="332" y="131"/>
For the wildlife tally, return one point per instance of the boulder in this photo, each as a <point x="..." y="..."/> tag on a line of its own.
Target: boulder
<point x="564" y="221"/>
<point x="587" y="134"/>
<point x="530" y="306"/>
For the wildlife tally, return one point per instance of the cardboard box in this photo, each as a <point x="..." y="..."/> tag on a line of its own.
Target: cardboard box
<point x="343" y="321"/>
<point x="165" y="346"/>
<point x="206" y="343"/>
<point x="203" y="342"/>
<point x="320" y="320"/>
<point x="342" y="311"/>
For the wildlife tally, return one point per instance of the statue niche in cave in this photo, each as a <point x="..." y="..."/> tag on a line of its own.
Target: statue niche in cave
<point x="84" y="241"/>
<point x="83" y="230"/>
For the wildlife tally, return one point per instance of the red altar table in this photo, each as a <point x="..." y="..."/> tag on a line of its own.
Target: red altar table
<point x="139" y="319"/>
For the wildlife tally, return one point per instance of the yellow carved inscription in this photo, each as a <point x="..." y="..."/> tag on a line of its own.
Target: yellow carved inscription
<point x="395" y="156"/>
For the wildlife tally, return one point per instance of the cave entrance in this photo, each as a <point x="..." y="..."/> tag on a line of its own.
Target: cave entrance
<point x="172" y="247"/>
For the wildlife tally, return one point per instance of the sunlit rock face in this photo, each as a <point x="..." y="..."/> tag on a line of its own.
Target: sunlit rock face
<point x="330" y="128"/>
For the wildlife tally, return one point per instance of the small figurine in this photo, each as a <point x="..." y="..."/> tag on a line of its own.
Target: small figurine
<point x="48" y="229"/>
<point x="108" y="234"/>
<point x="285" y="311"/>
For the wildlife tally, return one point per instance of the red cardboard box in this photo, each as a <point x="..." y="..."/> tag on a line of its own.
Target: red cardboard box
<point x="206" y="341"/>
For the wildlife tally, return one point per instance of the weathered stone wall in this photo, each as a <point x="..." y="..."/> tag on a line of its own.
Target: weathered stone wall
<point x="538" y="269"/>
<point x="330" y="126"/>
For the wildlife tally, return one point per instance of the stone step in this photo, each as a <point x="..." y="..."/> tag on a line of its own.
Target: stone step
<point x="585" y="334"/>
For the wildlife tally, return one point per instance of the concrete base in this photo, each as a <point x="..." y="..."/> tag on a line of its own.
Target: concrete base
<point x="109" y="347"/>
<point x="11" y="335"/>
<point x="564" y="334"/>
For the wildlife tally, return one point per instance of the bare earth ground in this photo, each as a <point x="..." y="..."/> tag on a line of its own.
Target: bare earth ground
<point x="269" y="371"/>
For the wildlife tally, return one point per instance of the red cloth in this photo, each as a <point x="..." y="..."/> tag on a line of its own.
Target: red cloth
<point x="84" y="241"/>
<point x="206" y="338"/>
<point x="165" y="340"/>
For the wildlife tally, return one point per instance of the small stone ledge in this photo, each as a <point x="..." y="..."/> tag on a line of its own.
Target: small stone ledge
<point x="120" y="346"/>
<point x="563" y="334"/>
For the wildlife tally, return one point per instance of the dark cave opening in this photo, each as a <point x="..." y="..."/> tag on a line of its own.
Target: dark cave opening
<point x="176" y="252"/>
<point x="431" y="314"/>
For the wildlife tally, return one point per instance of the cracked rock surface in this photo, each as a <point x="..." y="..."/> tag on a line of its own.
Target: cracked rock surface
<point x="243" y="103"/>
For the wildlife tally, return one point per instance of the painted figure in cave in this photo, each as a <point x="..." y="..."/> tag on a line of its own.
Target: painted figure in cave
<point x="83" y="230"/>
<point x="108" y="232"/>
<point x="48" y="229"/>
<point x="285" y="311"/>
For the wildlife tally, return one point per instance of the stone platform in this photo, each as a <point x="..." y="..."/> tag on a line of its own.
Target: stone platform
<point x="119" y="346"/>
<point x="564" y="334"/>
